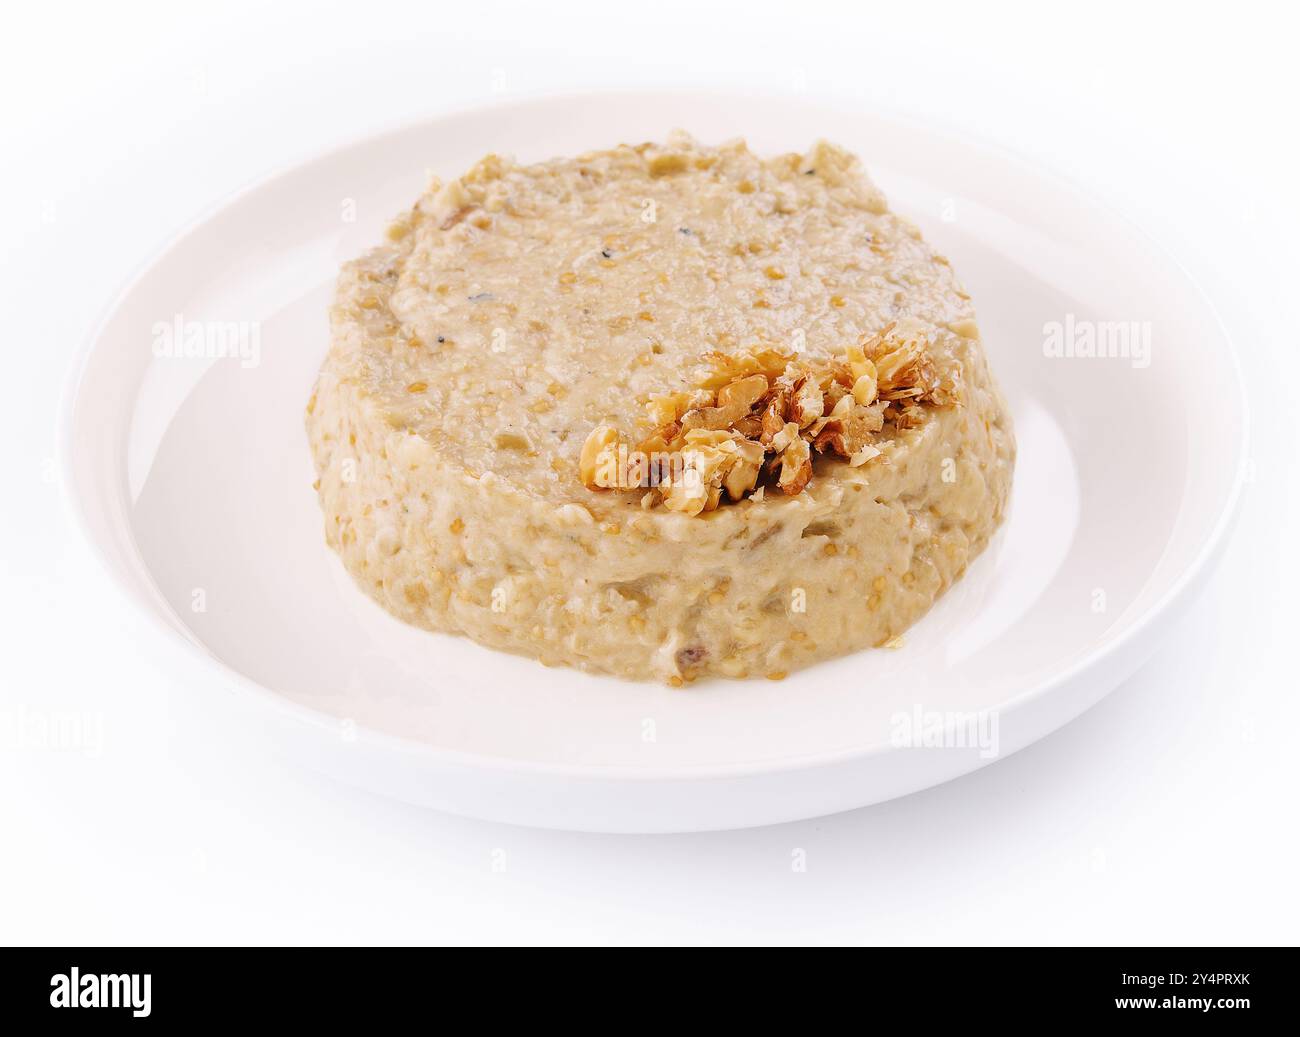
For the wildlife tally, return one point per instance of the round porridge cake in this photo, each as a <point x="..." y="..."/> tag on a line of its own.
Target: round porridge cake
<point x="662" y="411"/>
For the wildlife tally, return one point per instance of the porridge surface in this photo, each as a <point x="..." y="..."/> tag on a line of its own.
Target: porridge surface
<point x="518" y="307"/>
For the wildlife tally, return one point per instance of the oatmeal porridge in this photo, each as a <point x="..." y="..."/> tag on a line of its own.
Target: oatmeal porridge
<point x="662" y="411"/>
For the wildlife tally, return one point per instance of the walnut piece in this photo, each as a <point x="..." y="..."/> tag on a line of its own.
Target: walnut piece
<point x="757" y="418"/>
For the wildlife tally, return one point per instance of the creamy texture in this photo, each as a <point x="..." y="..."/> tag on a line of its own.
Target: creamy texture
<point x="518" y="307"/>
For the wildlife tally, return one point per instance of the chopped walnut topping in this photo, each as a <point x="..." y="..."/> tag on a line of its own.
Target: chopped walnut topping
<point x="757" y="419"/>
<point x="723" y="367"/>
<point x="595" y="455"/>
<point x="796" y="461"/>
<point x="735" y="401"/>
<point x="806" y="406"/>
<point x="848" y="433"/>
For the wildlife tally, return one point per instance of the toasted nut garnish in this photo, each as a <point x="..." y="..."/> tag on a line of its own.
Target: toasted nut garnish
<point x="864" y="389"/>
<point x="744" y="473"/>
<point x="756" y="418"/>
<point x="796" y="467"/>
<point x="808" y="402"/>
<point x="722" y="368"/>
<point x="601" y="440"/>
<point x="774" y="415"/>
<point x="664" y="409"/>
<point x="735" y="401"/>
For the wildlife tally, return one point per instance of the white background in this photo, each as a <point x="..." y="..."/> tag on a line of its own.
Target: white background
<point x="1166" y="814"/>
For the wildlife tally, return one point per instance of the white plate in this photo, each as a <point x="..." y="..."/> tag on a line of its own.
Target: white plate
<point x="193" y="480"/>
